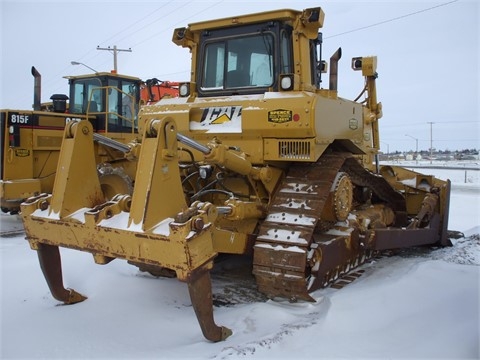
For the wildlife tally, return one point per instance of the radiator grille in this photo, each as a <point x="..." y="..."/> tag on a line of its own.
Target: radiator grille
<point x="294" y="150"/>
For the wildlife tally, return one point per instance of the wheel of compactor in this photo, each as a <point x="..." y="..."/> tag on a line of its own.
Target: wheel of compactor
<point x="113" y="181"/>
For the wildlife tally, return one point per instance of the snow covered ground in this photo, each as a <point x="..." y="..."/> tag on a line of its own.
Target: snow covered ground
<point x="417" y="304"/>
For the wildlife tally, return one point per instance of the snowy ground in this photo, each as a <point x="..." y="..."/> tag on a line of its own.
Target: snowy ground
<point x="417" y="304"/>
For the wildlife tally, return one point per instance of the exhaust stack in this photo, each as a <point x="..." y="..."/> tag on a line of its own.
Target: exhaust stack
<point x="37" y="88"/>
<point x="334" y="69"/>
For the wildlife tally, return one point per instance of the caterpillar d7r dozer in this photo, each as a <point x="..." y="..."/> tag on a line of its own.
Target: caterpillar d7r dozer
<point x="255" y="158"/>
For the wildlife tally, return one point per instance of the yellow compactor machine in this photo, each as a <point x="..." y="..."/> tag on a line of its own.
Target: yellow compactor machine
<point x="30" y="140"/>
<point x="254" y="157"/>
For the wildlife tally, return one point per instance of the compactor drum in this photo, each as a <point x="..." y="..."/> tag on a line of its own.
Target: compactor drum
<point x="254" y="157"/>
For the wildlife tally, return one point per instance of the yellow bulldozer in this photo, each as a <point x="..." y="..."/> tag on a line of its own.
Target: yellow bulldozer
<point x="254" y="157"/>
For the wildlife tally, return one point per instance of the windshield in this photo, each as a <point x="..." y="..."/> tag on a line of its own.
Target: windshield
<point x="239" y="62"/>
<point x="83" y="91"/>
<point x="122" y="104"/>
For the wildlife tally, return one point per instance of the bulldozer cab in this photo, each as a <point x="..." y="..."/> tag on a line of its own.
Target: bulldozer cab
<point x="253" y="58"/>
<point x="112" y="99"/>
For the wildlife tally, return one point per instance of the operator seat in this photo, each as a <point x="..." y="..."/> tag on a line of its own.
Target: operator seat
<point x="237" y="78"/>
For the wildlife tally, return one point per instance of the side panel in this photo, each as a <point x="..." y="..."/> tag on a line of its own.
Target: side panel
<point x="46" y="141"/>
<point x="341" y="120"/>
<point x="31" y="143"/>
<point x="245" y="122"/>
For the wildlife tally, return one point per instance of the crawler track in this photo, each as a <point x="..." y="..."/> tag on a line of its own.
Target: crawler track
<point x="296" y="251"/>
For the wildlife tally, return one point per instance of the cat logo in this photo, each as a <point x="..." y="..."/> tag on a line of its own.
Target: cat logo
<point x="221" y="115"/>
<point x="218" y="120"/>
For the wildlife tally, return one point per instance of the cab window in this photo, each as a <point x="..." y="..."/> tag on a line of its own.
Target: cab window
<point x="122" y="105"/>
<point x="239" y="62"/>
<point x="129" y="103"/>
<point x="286" y="56"/>
<point x="83" y="92"/>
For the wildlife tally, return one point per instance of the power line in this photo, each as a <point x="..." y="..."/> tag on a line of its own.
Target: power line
<point x="57" y="79"/>
<point x="178" y="22"/>
<point x="136" y="22"/>
<point x="169" y="28"/>
<point x="152" y="22"/>
<point x="390" y="20"/>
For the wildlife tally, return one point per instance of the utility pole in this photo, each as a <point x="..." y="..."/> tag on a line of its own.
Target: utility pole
<point x="416" y="147"/>
<point x="431" y="139"/>
<point x="114" y="50"/>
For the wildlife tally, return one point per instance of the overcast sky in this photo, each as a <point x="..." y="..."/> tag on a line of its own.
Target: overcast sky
<point x="428" y="54"/>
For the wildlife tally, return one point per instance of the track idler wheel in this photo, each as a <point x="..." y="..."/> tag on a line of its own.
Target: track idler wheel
<point x="200" y="288"/>
<point x="51" y="265"/>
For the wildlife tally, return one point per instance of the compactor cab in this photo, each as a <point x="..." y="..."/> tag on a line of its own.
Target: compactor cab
<point x="254" y="157"/>
<point x="31" y="140"/>
<point x="112" y="100"/>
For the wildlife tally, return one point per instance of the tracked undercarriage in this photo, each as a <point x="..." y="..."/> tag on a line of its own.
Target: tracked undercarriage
<point x="318" y="229"/>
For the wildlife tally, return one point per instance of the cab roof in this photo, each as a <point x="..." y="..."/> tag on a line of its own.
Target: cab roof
<point x="102" y="74"/>
<point x="281" y="15"/>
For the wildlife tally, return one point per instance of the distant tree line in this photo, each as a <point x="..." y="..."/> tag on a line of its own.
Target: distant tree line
<point x="464" y="154"/>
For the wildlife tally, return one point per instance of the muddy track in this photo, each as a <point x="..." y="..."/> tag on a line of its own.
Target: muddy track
<point x="296" y="251"/>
